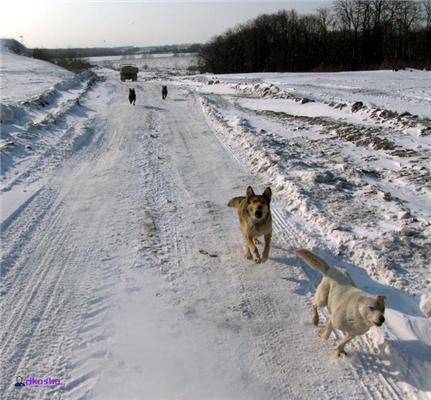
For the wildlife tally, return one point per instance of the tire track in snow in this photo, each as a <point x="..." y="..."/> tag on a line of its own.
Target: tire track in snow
<point x="55" y="303"/>
<point x="268" y="339"/>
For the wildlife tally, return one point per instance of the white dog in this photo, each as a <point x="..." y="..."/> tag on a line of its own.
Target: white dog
<point x="351" y="310"/>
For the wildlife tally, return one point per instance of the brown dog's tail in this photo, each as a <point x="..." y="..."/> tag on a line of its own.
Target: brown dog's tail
<point x="313" y="261"/>
<point x="235" y="202"/>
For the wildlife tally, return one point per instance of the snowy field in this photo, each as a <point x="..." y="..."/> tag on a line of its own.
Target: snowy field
<point x="122" y="268"/>
<point x="165" y="63"/>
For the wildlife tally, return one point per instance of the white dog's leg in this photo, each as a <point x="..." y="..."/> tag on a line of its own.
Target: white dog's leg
<point x="343" y="342"/>
<point x="321" y="296"/>
<point x="324" y="333"/>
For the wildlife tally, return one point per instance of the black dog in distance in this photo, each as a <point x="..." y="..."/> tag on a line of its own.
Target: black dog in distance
<point x="164" y="92"/>
<point x="132" y="96"/>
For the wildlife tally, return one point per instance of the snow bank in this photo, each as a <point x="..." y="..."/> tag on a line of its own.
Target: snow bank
<point x="401" y="91"/>
<point x="24" y="77"/>
<point x="10" y="112"/>
<point x="42" y="120"/>
<point x="357" y="111"/>
<point x="358" y="218"/>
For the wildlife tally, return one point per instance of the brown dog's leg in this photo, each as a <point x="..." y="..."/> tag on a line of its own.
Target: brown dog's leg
<point x="265" y="253"/>
<point x="247" y="253"/>
<point x="256" y="241"/>
<point x="252" y="249"/>
<point x="343" y="342"/>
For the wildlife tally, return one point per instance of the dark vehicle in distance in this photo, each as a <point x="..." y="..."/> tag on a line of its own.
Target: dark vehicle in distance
<point x="129" y="72"/>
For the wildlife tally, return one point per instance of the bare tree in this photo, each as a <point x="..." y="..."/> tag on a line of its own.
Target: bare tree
<point x="426" y="4"/>
<point x="353" y="34"/>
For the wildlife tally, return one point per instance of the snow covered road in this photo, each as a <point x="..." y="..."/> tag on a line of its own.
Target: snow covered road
<point x="123" y="274"/>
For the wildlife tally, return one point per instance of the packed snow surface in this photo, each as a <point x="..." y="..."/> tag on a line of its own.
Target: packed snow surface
<point x="122" y="268"/>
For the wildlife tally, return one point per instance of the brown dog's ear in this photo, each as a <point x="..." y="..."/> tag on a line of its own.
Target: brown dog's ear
<point x="250" y="192"/>
<point x="268" y="193"/>
<point x="381" y="300"/>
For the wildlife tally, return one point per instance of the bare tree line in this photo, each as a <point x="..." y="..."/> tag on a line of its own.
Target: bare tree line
<point x="352" y="34"/>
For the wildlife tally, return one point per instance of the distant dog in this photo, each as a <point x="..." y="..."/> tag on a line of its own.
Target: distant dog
<point x="351" y="310"/>
<point x="132" y="96"/>
<point x="255" y="220"/>
<point x="164" y="92"/>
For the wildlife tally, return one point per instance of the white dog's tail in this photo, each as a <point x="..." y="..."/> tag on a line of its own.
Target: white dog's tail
<point x="313" y="261"/>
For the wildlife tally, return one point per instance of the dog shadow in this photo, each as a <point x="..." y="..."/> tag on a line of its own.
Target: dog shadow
<point x="152" y="108"/>
<point x="289" y="259"/>
<point x="286" y="258"/>
<point x="412" y="353"/>
<point x="83" y="110"/>
<point x="396" y="299"/>
<point x="302" y="286"/>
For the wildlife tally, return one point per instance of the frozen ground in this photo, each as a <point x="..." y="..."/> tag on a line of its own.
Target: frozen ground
<point x="122" y="271"/>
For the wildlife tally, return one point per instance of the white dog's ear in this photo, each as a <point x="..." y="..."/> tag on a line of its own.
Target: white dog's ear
<point x="250" y="192"/>
<point x="381" y="300"/>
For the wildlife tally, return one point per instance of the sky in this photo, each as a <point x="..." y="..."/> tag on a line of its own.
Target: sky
<point x="73" y="23"/>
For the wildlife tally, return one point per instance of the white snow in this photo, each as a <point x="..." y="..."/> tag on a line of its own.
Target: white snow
<point x="122" y="269"/>
<point x="401" y="91"/>
<point x="41" y="123"/>
<point x="24" y="77"/>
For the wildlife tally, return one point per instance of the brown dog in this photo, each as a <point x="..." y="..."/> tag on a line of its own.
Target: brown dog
<point x="255" y="220"/>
